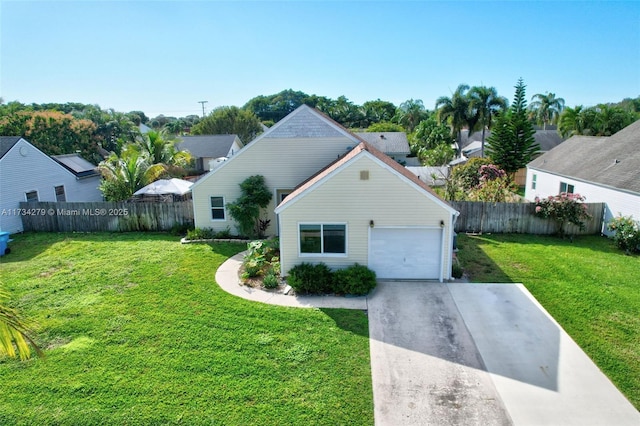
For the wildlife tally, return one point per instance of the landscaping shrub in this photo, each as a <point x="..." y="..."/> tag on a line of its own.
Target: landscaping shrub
<point x="201" y="234"/>
<point x="456" y="270"/>
<point x="563" y="208"/>
<point x="180" y="229"/>
<point x="224" y="234"/>
<point x="356" y="279"/>
<point x="307" y="278"/>
<point x="270" y="280"/>
<point x="627" y="233"/>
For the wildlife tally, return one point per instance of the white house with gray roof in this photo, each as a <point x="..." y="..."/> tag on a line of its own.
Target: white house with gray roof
<point x="603" y="169"/>
<point x="28" y="174"/>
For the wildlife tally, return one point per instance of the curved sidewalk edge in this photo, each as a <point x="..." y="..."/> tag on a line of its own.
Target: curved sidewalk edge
<point x="227" y="279"/>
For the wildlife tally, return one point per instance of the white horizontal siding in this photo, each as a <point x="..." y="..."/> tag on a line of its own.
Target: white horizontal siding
<point x="285" y="163"/>
<point x="617" y="202"/>
<point x="385" y="198"/>
<point x="37" y="172"/>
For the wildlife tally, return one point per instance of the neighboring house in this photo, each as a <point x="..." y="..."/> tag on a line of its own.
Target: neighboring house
<point x="603" y="169"/>
<point x="28" y="174"/>
<point x="338" y="185"/>
<point x="394" y="144"/>
<point x="472" y="145"/>
<point x="210" y="150"/>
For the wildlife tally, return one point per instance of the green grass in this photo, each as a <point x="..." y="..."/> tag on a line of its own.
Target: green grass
<point x="589" y="286"/>
<point x="137" y="332"/>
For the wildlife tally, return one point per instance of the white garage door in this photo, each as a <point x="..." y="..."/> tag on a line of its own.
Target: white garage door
<point x="405" y="253"/>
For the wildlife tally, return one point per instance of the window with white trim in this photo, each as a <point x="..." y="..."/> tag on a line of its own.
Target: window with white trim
<point x="217" y="208"/>
<point x="31" y="196"/>
<point x="533" y="181"/>
<point x="324" y="239"/>
<point x="565" y="187"/>
<point x="60" y="194"/>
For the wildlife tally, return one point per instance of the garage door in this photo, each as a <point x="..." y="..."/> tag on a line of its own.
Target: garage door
<point x="405" y="253"/>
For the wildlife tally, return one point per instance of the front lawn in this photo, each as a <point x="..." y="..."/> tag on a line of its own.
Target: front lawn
<point x="589" y="286"/>
<point x="136" y="331"/>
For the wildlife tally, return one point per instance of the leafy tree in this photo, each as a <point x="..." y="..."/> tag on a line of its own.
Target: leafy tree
<point x="125" y="174"/>
<point x="464" y="178"/>
<point x="52" y="132"/>
<point x="601" y="120"/>
<point x="410" y="113"/>
<point x="276" y="107"/>
<point x="229" y="120"/>
<point x="546" y="108"/>
<point x="344" y="112"/>
<point x="246" y="209"/>
<point x="384" y="126"/>
<point x="439" y="155"/>
<point x="493" y="185"/>
<point x="485" y="103"/>
<point x="377" y="111"/>
<point x="457" y="111"/>
<point x="512" y="144"/>
<point x="14" y="332"/>
<point x="430" y="134"/>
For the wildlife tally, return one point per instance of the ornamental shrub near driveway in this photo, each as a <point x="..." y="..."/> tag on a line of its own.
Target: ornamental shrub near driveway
<point x="627" y="233"/>
<point x="563" y="208"/>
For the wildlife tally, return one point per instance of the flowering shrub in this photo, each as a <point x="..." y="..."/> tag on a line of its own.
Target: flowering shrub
<point x="563" y="208"/>
<point x="627" y="233"/>
<point x="490" y="172"/>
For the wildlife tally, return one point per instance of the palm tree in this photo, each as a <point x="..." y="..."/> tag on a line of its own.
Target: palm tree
<point x="485" y="103"/>
<point x="546" y="108"/>
<point x="410" y="113"/>
<point x="457" y="111"/>
<point x="14" y="334"/>
<point x="160" y="149"/>
<point x="124" y="175"/>
<point x="572" y="122"/>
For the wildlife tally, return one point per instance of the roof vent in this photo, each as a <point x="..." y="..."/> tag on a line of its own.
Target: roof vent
<point x="364" y="174"/>
<point x="616" y="161"/>
<point x="382" y="137"/>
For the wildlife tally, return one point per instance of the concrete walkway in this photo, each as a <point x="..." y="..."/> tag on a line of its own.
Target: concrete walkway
<point x="467" y="354"/>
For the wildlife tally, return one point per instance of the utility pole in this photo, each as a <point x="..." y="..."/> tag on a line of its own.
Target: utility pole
<point x="202" y="102"/>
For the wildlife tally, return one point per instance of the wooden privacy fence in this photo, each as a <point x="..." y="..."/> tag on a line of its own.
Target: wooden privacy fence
<point x="102" y="216"/>
<point x="502" y="218"/>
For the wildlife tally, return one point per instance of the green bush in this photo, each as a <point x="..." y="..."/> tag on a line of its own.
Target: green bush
<point x="224" y="234"/>
<point x="310" y="279"/>
<point x="456" y="270"/>
<point x="270" y="280"/>
<point x="201" y="234"/>
<point x="627" y="233"/>
<point x="181" y="229"/>
<point x="356" y="279"/>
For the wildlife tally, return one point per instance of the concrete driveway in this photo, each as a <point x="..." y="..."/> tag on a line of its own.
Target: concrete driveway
<point x="481" y="354"/>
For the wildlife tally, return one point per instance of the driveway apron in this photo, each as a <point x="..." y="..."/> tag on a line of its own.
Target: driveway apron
<point x="426" y="369"/>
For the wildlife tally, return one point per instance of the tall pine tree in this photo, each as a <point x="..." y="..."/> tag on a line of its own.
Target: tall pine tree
<point x="511" y="144"/>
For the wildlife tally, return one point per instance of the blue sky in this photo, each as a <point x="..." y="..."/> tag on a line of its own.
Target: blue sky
<point x="162" y="57"/>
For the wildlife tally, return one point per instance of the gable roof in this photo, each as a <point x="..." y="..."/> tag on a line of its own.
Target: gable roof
<point x="208" y="146"/>
<point x="612" y="161"/>
<point x="363" y="148"/>
<point x="77" y="165"/>
<point x="6" y="143"/>
<point x="303" y="123"/>
<point x="387" y="142"/>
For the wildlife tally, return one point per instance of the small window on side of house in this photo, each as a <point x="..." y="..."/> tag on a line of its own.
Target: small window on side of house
<point x="31" y="196"/>
<point x="565" y="187"/>
<point x="533" y="181"/>
<point x="60" y="194"/>
<point x="323" y="239"/>
<point x="217" y="208"/>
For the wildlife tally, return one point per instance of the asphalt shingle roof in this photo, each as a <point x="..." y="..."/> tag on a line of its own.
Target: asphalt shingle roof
<point x="6" y="143"/>
<point x="207" y="146"/>
<point x="612" y="161"/>
<point x="387" y="142"/>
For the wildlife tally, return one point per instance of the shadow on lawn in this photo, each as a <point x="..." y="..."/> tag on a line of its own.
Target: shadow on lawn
<point x="477" y="265"/>
<point x="352" y="320"/>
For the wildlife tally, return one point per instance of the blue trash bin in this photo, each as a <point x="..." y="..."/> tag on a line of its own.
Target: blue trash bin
<point x="4" y="241"/>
